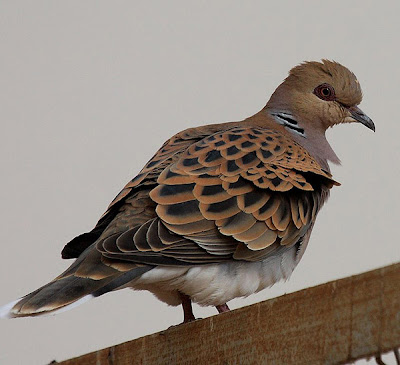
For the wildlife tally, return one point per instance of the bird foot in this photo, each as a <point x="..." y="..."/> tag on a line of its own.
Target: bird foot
<point x="222" y="308"/>
<point x="379" y="360"/>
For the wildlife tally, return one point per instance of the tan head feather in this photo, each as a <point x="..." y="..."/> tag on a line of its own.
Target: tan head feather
<point x="314" y="97"/>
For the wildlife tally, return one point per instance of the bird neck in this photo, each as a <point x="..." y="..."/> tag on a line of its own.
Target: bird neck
<point x="312" y="139"/>
<point x="317" y="145"/>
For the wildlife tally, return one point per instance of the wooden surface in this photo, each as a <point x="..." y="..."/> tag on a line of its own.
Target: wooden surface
<point x="332" y="323"/>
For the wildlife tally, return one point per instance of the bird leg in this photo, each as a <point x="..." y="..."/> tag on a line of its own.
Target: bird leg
<point x="188" y="315"/>
<point x="222" y="308"/>
<point x="397" y="356"/>
<point x="378" y="359"/>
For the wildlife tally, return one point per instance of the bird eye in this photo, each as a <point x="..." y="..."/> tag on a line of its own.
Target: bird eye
<point x="325" y="92"/>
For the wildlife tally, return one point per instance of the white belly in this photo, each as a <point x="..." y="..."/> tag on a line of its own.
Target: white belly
<point x="216" y="284"/>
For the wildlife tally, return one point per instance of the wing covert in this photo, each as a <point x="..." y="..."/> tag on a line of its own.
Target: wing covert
<point x="242" y="193"/>
<point x="251" y="183"/>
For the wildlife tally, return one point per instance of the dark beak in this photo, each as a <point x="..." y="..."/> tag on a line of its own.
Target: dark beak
<point x="358" y="115"/>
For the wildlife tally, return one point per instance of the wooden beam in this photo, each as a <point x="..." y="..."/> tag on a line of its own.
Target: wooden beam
<point x="333" y="323"/>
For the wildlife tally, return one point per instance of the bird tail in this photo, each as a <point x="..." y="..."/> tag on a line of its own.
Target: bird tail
<point x="66" y="292"/>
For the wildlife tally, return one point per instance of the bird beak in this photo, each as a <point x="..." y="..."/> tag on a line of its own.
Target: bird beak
<point x="357" y="115"/>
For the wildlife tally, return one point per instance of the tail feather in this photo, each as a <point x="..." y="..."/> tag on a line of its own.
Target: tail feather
<point x="65" y="293"/>
<point x="5" y="310"/>
<point x="52" y="296"/>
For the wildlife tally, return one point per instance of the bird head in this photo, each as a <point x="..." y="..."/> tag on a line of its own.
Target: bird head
<point x="319" y="95"/>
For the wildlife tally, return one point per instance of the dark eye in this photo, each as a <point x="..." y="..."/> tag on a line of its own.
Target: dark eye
<point x="325" y="92"/>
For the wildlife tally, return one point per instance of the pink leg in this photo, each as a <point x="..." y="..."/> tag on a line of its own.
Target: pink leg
<point x="188" y="315"/>
<point x="222" y="308"/>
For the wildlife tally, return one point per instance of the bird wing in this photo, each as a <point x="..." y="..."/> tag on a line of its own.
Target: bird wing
<point x="241" y="194"/>
<point x="167" y="154"/>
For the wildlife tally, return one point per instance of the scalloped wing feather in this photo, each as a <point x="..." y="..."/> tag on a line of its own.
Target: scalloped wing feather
<point x="225" y="196"/>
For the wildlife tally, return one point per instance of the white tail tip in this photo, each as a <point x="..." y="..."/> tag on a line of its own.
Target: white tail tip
<point x="5" y="310"/>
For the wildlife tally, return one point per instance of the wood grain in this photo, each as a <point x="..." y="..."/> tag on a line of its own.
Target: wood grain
<point x="333" y="323"/>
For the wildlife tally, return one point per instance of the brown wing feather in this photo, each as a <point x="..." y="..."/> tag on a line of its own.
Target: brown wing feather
<point x="165" y="156"/>
<point x="225" y="196"/>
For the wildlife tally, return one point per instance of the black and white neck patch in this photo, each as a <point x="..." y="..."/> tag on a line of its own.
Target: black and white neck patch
<point x="288" y="121"/>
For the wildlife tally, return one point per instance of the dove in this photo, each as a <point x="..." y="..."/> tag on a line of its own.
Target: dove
<point x="220" y="211"/>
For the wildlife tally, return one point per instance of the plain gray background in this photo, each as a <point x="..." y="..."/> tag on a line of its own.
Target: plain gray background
<point x="90" y="89"/>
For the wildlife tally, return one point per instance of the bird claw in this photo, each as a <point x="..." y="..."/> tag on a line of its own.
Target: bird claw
<point x="379" y="360"/>
<point x="222" y="308"/>
<point x="397" y="356"/>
